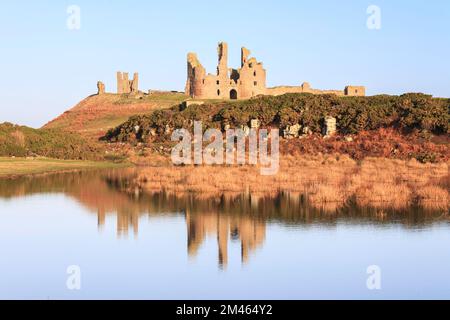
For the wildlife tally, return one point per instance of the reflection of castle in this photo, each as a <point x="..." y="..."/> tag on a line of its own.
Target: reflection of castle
<point x="124" y="221"/>
<point x="250" y="232"/>
<point x="243" y="217"/>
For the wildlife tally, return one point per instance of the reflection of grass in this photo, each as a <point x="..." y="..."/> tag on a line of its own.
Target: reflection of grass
<point x="11" y="167"/>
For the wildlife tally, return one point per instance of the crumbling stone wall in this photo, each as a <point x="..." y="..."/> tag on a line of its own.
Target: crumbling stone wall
<point x="124" y="85"/>
<point x="306" y="88"/>
<point x="355" y="91"/>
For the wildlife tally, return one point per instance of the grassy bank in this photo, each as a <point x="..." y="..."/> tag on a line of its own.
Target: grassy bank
<point x="326" y="181"/>
<point x="15" y="167"/>
<point x="22" y="141"/>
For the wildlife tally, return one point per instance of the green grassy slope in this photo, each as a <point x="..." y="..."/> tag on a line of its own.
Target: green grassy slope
<point x="21" y="141"/>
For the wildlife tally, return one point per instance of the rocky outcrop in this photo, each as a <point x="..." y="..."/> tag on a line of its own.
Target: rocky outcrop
<point x="329" y="126"/>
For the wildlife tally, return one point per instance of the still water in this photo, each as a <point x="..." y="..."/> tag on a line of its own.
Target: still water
<point x="129" y="244"/>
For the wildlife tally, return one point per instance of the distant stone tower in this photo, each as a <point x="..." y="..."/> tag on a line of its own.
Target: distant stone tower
<point x="100" y="88"/>
<point x="124" y="85"/>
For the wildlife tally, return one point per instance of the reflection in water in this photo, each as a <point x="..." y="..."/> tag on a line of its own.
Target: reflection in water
<point x="250" y="232"/>
<point x="240" y="218"/>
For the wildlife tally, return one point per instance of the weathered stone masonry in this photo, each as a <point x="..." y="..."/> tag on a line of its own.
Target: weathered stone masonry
<point x="243" y="83"/>
<point x="127" y="86"/>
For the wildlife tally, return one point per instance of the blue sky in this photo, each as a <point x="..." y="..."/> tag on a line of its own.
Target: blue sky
<point x="47" y="68"/>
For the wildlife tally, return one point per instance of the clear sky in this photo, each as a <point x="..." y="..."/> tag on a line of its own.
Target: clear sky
<point x="47" y="68"/>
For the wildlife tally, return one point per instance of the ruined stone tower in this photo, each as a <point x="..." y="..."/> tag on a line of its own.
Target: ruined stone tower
<point x="100" y="88"/>
<point x="124" y="85"/>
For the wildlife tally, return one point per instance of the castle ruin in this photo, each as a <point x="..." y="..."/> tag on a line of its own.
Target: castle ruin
<point x="243" y="83"/>
<point x="124" y="85"/>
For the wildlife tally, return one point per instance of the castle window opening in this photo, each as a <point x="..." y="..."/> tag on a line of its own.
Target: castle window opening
<point x="218" y="92"/>
<point x="233" y="95"/>
<point x="218" y="82"/>
<point x="254" y="74"/>
<point x="255" y="83"/>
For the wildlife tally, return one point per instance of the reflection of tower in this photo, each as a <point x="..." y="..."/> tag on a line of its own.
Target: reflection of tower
<point x="124" y="220"/>
<point x="250" y="232"/>
<point x="195" y="233"/>
<point x="122" y="224"/>
<point x="222" y="239"/>
<point x="101" y="217"/>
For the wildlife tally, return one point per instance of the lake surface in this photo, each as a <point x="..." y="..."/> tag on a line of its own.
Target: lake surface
<point x="124" y="243"/>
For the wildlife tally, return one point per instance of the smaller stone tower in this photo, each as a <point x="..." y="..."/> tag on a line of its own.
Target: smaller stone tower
<point x="124" y="85"/>
<point x="100" y="88"/>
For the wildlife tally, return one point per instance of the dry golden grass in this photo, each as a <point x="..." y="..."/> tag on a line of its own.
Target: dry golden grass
<point x="330" y="181"/>
<point x="17" y="167"/>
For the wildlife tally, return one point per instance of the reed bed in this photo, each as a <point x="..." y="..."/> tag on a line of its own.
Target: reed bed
<point x="328" y="181"/>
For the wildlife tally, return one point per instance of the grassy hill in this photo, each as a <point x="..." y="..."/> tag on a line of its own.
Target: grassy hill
<point x="95" y="115"/>
<point x="21" y="141"/>
<point x="406" y="126"/>
<point x="354" y="114"/>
